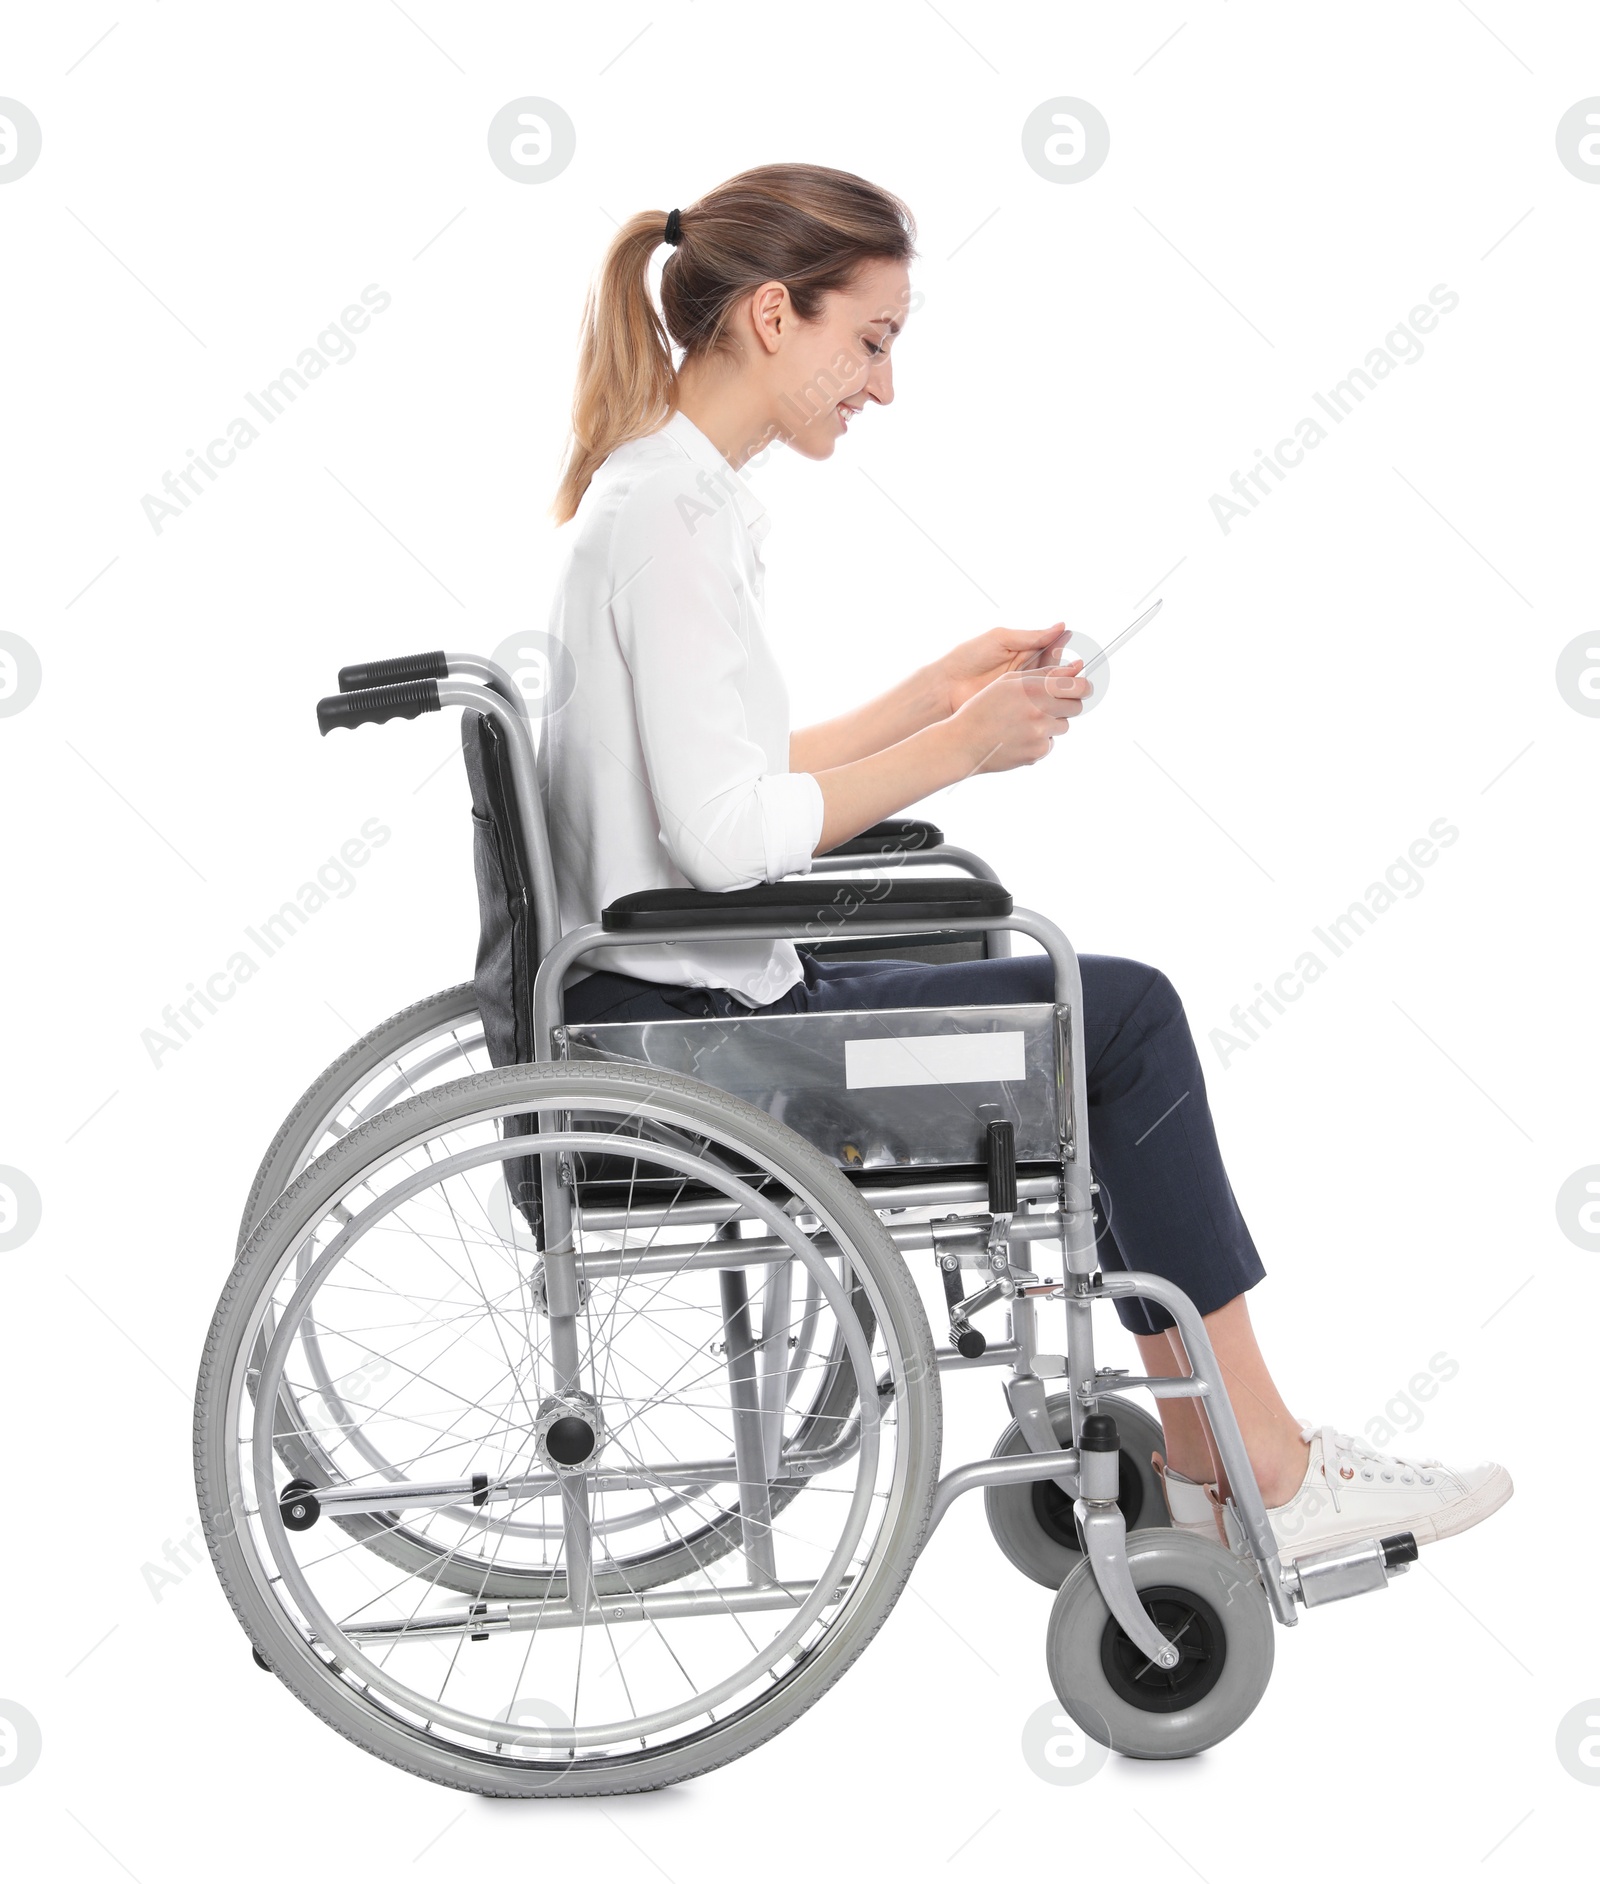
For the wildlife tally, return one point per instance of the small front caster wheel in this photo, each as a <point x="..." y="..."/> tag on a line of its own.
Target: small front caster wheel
<point x="259" y="1659"/>
<point x="1034" y="1525"/>
<point x="1200" y="1596"/>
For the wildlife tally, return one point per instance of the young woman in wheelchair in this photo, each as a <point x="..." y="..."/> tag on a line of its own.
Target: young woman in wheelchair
<point x="668" y="761"/>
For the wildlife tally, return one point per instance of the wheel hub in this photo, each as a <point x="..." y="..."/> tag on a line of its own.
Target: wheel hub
<point x="570" y="1431"/>
<point x="1189" y="1622"/>
<point x="538" y="1297"/>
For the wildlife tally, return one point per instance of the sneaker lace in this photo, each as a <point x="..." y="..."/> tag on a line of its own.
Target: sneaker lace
<point x="1339" y="1449"/>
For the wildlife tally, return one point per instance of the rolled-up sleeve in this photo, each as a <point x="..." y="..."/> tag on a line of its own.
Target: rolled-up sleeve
<point x="791" y="820"/>
<point x="728" y="818"/>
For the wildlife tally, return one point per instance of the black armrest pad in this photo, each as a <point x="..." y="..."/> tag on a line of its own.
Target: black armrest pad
<point x="893" y="835"/>
<point x="824" y="905"/>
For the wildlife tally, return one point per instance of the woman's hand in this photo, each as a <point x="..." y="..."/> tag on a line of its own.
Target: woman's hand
<point x="968" y="669"/>
<point x="1015" y="718"/>
<point x="1009" y="722"/>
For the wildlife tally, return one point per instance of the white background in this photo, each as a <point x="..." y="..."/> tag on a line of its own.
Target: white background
<point x="1369" y="651"/>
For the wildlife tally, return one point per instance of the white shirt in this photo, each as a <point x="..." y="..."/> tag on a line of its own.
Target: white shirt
<point x="664" y="741"/>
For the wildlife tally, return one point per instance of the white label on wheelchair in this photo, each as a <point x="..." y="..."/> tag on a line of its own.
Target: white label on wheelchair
<point x="933" y="1060"/>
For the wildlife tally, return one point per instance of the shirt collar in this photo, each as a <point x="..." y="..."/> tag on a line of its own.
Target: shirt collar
<point x="730" y="483"/>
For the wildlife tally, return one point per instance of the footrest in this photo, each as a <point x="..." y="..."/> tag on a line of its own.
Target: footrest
<point x="1328" y="1576"/>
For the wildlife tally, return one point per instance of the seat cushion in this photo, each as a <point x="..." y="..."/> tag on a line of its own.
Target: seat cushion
<point x="802" y="908"/>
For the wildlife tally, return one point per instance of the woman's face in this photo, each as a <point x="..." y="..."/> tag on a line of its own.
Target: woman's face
<point x="822" y="372"/>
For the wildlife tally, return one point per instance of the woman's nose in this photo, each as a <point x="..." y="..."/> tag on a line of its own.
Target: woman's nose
<point x="880" y="382"/>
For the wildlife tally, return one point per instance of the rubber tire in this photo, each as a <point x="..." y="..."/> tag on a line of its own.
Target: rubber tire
<point x="518" y="1089"/>
<point x="1074" y="1637"/>
<point x="1013" y="1510"/>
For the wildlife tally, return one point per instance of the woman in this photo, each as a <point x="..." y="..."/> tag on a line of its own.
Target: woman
<point x="670" y="762"/>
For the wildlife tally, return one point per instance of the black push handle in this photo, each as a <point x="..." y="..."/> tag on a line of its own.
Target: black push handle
<point x="374" y="705"/>
<point x="1002" y="1168"/>
<point x="368" y="674"/>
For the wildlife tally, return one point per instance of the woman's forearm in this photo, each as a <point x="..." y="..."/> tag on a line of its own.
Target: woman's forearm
<point x="917" y="702"/>
<point x="862" y="792"/>
<point x="1013" y="721"/>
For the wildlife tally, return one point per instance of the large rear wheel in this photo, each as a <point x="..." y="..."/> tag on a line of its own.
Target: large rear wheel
<point x="705" y="1506"/>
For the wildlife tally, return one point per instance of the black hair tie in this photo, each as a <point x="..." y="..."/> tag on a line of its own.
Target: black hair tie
<point x="673" y="232"/>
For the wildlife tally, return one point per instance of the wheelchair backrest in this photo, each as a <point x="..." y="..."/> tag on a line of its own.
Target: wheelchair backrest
<point x="509" y="947"/>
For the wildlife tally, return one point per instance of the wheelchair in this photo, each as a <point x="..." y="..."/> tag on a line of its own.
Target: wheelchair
<point x="570" y="1419"/>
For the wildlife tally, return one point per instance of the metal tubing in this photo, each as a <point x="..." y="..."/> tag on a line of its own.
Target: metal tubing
<point x="525" y="786"/>
<point x="874" y="1196"/>
<point x="996" y="942"/>
<point x="1099" y="1476"/>
<point x="344" y="1500"/>
<point x="419" y="1495"/>
<point x="1022" y="1328"/>
<point x="1038" y="1226"/>
<point x="749" y="1450"/>
<point x="691" y="1474"/>
<point x="998" y="1354"/>
<point x="777" y="1314"/>
<point x="873" y="863"/>
<point x="579" y="1541"/>
<point x="1026" y="1396"/>
<point x="1177" y="1387"/>
<point x="563" y="1302"/>
<point x="475" y="667"/>
<point x="1080" y="1355"/>
<point x="528" y="1613"/>
<point x="1219" y="1411"/>
<point x="1024" y="1468"/>
<point x="770" y="1249"/>
<point x="590" y="936"/>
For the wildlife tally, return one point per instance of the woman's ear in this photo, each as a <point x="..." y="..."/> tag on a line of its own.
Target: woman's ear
<point x="771" y="312"/>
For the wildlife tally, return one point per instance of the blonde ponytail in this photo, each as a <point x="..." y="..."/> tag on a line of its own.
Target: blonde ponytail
<point x="626" y="382"/>
<point x="806" y="226"/>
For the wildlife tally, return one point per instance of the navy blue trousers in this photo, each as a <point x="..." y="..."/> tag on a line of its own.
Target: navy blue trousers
<point x="1165" y="1203"/>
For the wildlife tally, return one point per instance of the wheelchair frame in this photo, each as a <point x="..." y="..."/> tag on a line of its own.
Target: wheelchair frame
<point x="1075" y="1456"/>
<point x="1089" y="1477"/>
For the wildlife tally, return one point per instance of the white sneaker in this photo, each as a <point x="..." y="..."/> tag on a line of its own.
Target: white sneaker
<point x="1351" y="1491"/>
